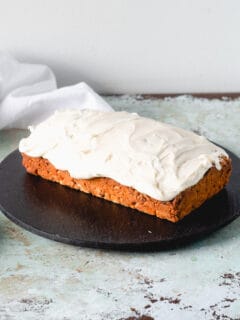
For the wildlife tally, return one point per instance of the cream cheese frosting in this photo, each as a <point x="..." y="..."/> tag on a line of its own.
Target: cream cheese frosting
<point x="154" y="158"/>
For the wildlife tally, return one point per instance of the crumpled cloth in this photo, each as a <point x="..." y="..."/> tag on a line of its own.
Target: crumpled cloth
<point x="29" y="94"/>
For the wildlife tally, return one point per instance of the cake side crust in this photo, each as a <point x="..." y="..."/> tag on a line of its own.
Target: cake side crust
<point x="188" y="200"/>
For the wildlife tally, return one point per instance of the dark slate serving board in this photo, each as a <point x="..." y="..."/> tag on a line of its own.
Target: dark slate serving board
<point x="62" y="214"/>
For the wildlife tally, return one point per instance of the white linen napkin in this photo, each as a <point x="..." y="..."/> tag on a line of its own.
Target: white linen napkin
<point x="29" y="94"/>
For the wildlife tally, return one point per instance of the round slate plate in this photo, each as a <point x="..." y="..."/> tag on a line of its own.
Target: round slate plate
<point x="73" y="217"/>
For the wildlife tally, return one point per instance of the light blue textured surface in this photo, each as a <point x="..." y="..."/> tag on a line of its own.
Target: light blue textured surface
<point x="42" y="279"/>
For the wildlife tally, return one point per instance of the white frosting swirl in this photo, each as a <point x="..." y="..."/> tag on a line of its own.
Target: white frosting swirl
<point x="155" y="158"/>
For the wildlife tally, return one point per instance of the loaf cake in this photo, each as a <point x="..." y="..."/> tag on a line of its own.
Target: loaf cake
<point x="134" y="161"/>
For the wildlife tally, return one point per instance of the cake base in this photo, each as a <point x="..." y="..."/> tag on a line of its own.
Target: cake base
<point x="188" y="200"/>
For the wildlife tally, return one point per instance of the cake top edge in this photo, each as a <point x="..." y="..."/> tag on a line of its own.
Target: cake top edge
<point x="153" y="157"/>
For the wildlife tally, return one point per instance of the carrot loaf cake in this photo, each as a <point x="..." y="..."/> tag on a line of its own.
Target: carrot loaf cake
<point x="131" y="160"/>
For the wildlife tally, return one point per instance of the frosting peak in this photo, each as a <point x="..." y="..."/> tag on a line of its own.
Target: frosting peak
<point x="153" y="157"/>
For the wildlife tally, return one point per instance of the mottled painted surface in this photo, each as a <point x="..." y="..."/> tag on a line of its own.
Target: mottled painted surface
<point x="42" y="279"/>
